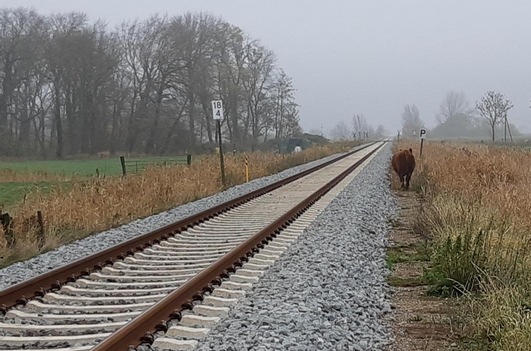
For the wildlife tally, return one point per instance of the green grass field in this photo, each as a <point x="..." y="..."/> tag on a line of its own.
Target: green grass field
<point x="82" y="168"/>
<point x="12" y="192"/>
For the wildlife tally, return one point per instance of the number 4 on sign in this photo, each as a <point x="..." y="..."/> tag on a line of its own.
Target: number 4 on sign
<point x="217" y="109"/>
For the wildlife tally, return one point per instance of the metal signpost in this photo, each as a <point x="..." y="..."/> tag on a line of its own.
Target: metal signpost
<point x="422" y="136"/>
<point x="246" y="169"/>
<point x="217" y="114"/>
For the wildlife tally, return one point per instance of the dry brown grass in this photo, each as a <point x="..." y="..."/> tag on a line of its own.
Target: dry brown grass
<point x="479" y="215"/>
<point x="98" y="204"/>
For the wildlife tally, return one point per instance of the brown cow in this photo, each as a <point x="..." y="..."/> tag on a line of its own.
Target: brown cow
<point x="404" y="164"/>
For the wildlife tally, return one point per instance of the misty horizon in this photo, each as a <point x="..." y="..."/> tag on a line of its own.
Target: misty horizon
<point x="370" y="59"/>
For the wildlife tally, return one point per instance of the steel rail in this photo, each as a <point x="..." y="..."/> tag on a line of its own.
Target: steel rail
<point x="24" y="291"/>
<point x="142" y="327"/>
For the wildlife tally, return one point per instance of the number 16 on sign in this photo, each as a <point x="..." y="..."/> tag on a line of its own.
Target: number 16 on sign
<point x="217" y="109"/>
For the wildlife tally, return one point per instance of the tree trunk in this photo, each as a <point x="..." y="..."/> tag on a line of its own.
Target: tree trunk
<point x="191" y="118"/>
<point x="208" y="118"/>
<point x="150" y="144"/>
<point x="58" y="125"/>
<point x="72" y="138"/>
<point x="131" y="128"/>
<point x="4" y="98"/>
<point x="173" y="127"/>
<point x="116" y="112"/>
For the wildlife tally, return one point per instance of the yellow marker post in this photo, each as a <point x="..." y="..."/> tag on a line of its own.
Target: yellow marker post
<point x="246" y="169"/>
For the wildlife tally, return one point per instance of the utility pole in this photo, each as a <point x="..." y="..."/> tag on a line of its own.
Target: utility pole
<point x="505" y="129"/>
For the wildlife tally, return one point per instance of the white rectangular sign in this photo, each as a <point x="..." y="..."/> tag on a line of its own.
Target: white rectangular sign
<point x="422" y="134"/>
<point x="217" y="109"/>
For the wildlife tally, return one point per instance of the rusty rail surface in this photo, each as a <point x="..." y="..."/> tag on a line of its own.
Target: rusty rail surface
<point x="141" y="328"/>
<point x="24" y="291"/>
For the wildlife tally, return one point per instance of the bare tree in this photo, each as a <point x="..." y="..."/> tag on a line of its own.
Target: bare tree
<point x="144" y="44"/>
<point x="257" y="85"/>
<point x="286" y="112"/>
<point x="453" y="104"/>
<point x="19" y="46"/>
<point x="380" y="131"/>
<point x="456" y="117"/>
<point x="70" y="87"/>
<point x="493" y="107"/>
<point x="411" y="122"/>
<point x="231" y="70"/>
<point x="61" y="54"/>
<point x="203" y="38"/>
<point x="341" y="131"/>
<point x="360" y="128"/>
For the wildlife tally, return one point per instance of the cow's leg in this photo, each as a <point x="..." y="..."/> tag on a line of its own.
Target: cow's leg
<point x="408" y="178"/>
<point x="402" y="181"/>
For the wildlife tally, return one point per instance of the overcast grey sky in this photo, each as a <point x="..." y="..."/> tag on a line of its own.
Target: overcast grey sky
<point x="370" y="57"/>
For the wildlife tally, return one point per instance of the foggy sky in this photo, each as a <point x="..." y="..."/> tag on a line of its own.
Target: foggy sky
<point x="368" y="57"/>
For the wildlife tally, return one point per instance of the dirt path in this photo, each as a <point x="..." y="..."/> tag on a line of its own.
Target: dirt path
<point x="418" y="321"/>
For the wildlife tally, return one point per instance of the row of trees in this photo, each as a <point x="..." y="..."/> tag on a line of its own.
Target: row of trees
<point x="70" y="87"/>
<point x="458" y="119"/>
<point x="358" y="129"/>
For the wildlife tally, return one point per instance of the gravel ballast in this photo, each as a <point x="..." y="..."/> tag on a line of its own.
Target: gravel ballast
<point x="328" y="290"/>
<point x="21" y="271"/>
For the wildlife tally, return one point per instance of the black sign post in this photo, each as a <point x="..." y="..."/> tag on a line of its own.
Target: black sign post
<point x="422" y="136"/>
<point x="217" y="113"/>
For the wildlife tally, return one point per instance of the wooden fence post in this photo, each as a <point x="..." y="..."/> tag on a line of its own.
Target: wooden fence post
<point x="7" y="223"/>
<point x="41" y="238"/>
<point x="246" y="169"/>
<point x="122" y="161"/>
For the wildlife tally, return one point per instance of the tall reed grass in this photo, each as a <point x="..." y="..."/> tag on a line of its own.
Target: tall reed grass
<point x="479" y="218"/>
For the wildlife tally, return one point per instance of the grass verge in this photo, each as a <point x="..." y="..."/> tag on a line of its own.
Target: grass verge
<point x="478" y="216"/>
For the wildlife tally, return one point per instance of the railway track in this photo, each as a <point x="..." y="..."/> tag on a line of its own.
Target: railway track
<point x="122" y="296"/>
